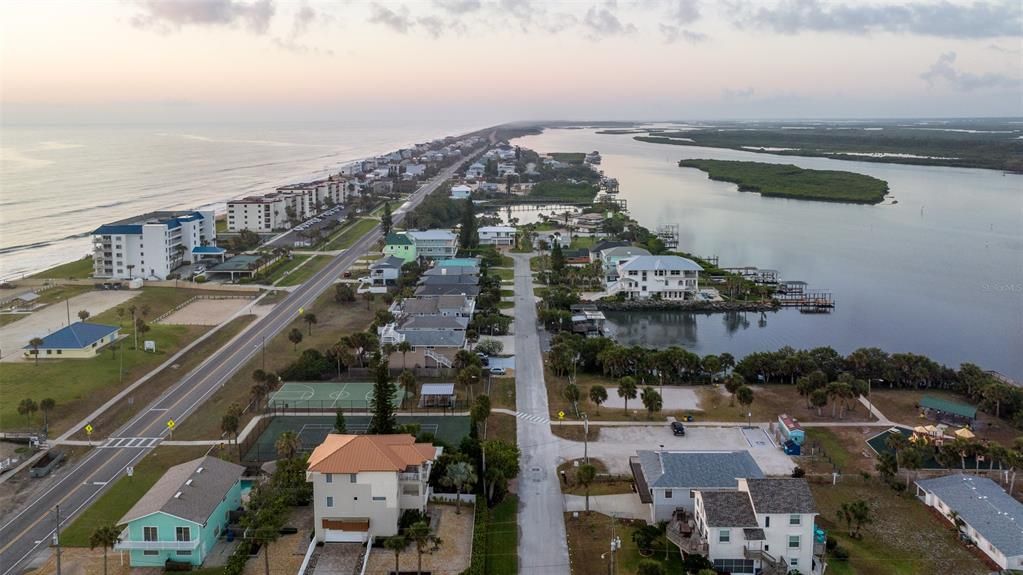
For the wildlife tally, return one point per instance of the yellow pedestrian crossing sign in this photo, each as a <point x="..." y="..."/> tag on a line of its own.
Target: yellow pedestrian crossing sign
<point x="88" y="429"/>
<point x="170" y="424"/>
<point x="301" y="310"/>
<point x="561" y="415"/>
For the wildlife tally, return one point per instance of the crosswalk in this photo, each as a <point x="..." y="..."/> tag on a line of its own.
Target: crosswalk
<point x="130" y="442"/>
<point x="533" y="418"/>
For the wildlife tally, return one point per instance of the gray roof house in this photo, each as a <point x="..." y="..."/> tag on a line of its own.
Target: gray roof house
<point x="433" y="322"/>
<point x="453" y="305"/>
<point x="452" y="271"/>
<point x="449" y="279"/>
<point x="190" y="490"/>
<point x="665" y="479"/>
<point x="993" y="518"/>
<point x="431" y="338"/>
<point x="470" y="291"/>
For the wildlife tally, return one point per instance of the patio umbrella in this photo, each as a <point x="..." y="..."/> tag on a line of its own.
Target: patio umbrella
<point x="965" y="433"/>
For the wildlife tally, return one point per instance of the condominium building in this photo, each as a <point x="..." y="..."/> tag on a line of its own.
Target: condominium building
<point x="152" y="245"/>
<point x="260" y="214"/>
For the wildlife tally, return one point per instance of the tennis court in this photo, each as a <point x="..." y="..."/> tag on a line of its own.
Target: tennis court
<point x="326" y="395"/>
<point x="312" y="430"/>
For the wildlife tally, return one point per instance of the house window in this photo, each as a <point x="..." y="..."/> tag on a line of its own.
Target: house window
<point x="330" y="501"/>
<point x="795" y="519"/>
<point x="724" y="536"/>
<point x="352" y="477"/>
<point x="767" y="521"/>
<point x="793" y="541"/>
<point x="180" y="552"/>
<point x="794" y="562"/>
<point x="329" y="478"/>
<point x="667" y="494"/>
<point x="150" y="534"/>
<point x="150" y="552"/>
<point x="182" y="534"/>
<point x="379" y="498"/>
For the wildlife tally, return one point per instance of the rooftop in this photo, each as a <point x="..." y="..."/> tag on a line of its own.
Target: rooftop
<point x="459" y="262"/>
<point x="239" y="263"/>
<point x="449" y="279"/>
<point x="660" y="263"/>
<point x="623" y="252"/>
<point x="76" y="336"/>
<point x="437" y="389"/>
<point x="729" y="509"/>
<point x="436" y="290"/>
<point x="361" y="453"/>
<point x="432" y="305"/>
<point x="133" y="225"/>
<point x="439" y="235"/>
<point x="452" y="271"/>
<point x="433" y="322"/>
<point x="191" y="490"/>
<point x="435" y="337"/>
<point x="953" y="407"/>
<point x="387" y="262"/>
<point x="985" y="506"/>
<point x="697" y="469"/>
<point x="781" y="495"/>
<point x="398" y="239"/>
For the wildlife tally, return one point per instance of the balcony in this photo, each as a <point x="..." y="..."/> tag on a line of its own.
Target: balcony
<point x="757" y="554"/>
<point x="409" y="476"/>
<point x="125" y="544"/>
<point x="689" y="541"/>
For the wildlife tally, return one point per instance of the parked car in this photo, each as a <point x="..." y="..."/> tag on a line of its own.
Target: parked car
<point x="678" y="429"/>
<point x="498" y="371"/>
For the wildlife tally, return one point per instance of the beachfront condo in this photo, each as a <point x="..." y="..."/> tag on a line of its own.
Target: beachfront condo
<point x="152" y="245"/>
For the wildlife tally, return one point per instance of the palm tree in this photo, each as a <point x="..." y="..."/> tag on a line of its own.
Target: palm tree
<point x="585" y="476"/>
<point x="309" y="319"/>
<point x="230" y="422"/>
<point x="288" y="445"/>
<point x="83" y="315"/>
<point x="295" y="337"/>
<point x="35" y="343"/>
<point x="397" y="544"/>
<point x="46" y="405"/>
<point x="732" y="384"/>
<point x="258" y="392"/>
<point x="627" y="390"/>
<point x="407" y="380"/>
<point x="27" y="407"/>
<point x="404" y="347"/>
<point x="598" y="395"/>
<point x="897" y="443"/>
<point x="105" y="536"/>
<point x="461" y="476"/>
<point x="421" y="534"/>
<point x="652" y="401"/>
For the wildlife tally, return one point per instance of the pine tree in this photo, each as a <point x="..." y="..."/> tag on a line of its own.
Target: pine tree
<point x="382" y="404"/>
<point x="467" y="236"/>
<point x="385" y="219"/>
<point x="557" y="259"/>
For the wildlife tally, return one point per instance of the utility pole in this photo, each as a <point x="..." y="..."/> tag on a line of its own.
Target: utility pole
<point x="56" y="538"/>
<point x="264" y="358"/>
<point x="586" y="438"/>
<point x="67" y="302"/>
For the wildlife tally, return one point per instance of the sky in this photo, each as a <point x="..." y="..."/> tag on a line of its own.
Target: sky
<point x="506" y="60"/>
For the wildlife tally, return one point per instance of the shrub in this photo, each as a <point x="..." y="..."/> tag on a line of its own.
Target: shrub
<point x="798" y="472"/>
<point x="839" y="553"/>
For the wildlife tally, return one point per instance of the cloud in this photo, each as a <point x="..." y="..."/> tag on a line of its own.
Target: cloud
<point x="1002" y="49"/>
<point x="673" y="34"/>
<point x="602" y="22"/>
<point x="433" y="25"/>
<point x="304" y="17"/>
<point x="458" y="6"/>
<point x="168" y="15"/>
<point x="944" y="70"/>
<point x="942" y="19"/>
<point x="397" y="20"/>
<point x="685" y="11"/>
<point x="740" y="94"/>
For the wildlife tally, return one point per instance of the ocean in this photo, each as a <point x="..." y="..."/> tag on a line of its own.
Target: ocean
<point x="58" y="183"/>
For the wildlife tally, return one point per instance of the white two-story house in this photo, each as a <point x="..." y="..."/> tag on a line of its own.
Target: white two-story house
<point x="765" y="526"/>
<point x="434" y="244"/>
<point x="363" y="483"/>
<point x="497" y="236"/>
<point x="666" y="277"/>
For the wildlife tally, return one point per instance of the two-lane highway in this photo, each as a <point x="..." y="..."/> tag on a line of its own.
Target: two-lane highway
<point x="33" y="527"/>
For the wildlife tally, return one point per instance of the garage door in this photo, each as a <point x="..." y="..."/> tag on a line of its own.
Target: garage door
<point x="338" y="536"/>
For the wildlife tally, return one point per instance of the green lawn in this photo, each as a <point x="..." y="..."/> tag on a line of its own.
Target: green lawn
<point x="350" y="234"/>
<point x="831" y="444"/>
<point x="284" y="267"/>
<point x="569" y="157"/>
<point x="503" y="273"/>
<point x="507" y="293"/>
<point x="80" y="269"/>
<point x="113" y="504"/>
<point x="503" y="538"/>
<point x="564" y="191"/>
<point x="789" y="181"/>
<point x="221" y="226"/>
<point x="302" y="274"/>
<point x="11" y="318"/>
<point x="582" y="242"/>
<point x="61" y="293"/>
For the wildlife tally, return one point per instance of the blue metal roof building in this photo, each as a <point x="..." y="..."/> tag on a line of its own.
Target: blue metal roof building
<point x="79" y="339"/>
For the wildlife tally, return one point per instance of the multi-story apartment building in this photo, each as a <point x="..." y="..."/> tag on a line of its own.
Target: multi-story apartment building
<point x="363" y="483"/>
<point x="260" y="214"/>
<point x="152" y="245"/>
<point x="666" y="277"/>
<point x="434" y="244"/>
<point x="764" y="526"/>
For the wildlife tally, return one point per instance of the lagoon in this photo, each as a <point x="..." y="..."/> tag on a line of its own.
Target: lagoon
<point x="939" y="273"/>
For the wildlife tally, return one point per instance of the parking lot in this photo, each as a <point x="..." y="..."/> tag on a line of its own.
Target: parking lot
<point x="615" y="445"/>
<point x="330" y="218"/>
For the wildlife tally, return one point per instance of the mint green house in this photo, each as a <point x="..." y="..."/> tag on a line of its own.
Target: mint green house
<point x="181" y="518"/>
<point x="400" y="246"/>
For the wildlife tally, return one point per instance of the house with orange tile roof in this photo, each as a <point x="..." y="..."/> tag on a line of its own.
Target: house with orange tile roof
<point x="363" y="483"/>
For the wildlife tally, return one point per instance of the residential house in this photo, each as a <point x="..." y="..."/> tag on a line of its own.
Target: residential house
<point x="151" y="245"/>
<point x="469" y="291"/>
<point x="452" y="271"/>
<point x="578" y="257"/>
<point x="666" y="277"/>
<point x="458" y="263"/>
<point x="505" y="169"/>
<point x="183" y="515"/>
<point x="611" y="256"/>
<point x="765" y="526"/>
<point x="602" y="245"/>
<point x="434" y="244"/>
<point x="400" y="246"/>
<point x="445" y="305"/>
<point x="460" y="192"/>
<point x="383" y="274"/>
<point x="476" y="170"/>
<point x="562" y="237"/>
<point x="587" y="319"/>
<point x="363" y="483"/>
<point x="466" y="279"/>
<point x="589" y="223"/>
<point x="666" y="479"/>
<point x="496" y="235"/>
<point x="76" y="341"/>
<point x="990" y="517"/>
<point x="490" y="187"/>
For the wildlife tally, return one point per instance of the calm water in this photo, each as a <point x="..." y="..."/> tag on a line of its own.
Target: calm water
<point x="59" y="183"/>
<point x="940" y="273"/>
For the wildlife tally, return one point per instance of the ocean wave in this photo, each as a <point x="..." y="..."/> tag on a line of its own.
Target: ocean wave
<point x="51" y="145"/>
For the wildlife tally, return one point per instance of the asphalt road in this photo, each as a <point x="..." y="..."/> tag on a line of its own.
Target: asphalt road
<point x="543" y="546"/>
<point x="33" y="527"/>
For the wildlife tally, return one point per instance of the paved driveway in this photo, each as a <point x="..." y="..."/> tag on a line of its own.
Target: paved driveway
<point x="543" y="545"/>
<point x="616" y="444"/>
<point x="339" y="559"/>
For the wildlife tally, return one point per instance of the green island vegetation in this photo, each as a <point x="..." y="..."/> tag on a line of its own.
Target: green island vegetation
<point x="568" y="157"/>
<point x="987" y="144"/>
<point x="789" y="181"/>
<point x="564" y="191"/>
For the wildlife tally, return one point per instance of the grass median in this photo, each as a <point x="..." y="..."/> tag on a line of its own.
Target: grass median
<point x="350" y="234"/>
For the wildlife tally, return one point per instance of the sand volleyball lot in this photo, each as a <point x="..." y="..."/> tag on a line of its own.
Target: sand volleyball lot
<point x="206" y="311"/>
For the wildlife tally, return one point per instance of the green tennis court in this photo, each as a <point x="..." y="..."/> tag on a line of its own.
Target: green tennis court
<point x="312" y="430"/>
<point x="326" y="395"/>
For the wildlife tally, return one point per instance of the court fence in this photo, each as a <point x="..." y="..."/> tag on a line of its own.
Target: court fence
<point x="282" y="407"/>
